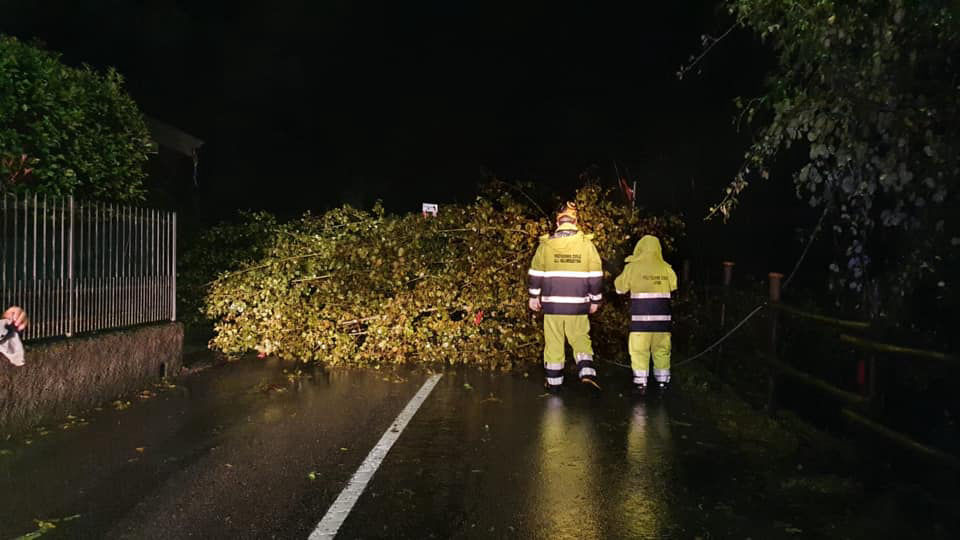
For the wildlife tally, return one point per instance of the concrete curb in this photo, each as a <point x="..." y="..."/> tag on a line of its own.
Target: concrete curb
<point x="66" y="375"/>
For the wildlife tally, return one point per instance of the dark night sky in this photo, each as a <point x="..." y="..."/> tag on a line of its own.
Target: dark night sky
<point x="309" y="104"/>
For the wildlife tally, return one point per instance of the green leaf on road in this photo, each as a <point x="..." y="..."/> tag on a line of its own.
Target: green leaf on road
<point x="46" y="525"/>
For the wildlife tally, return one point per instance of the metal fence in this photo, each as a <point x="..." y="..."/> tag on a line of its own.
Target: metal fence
<point x="81" y="267"/>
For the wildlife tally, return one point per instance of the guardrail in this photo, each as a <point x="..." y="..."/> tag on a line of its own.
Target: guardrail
<point x="80" y="267"/>
<point x="860" y="407"/>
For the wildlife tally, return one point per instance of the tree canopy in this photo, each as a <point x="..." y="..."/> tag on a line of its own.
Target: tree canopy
<point x="863" y="107"/>
<point x="66" y="130"/>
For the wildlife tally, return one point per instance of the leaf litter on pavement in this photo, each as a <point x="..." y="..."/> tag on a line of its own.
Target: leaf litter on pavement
<point x="46" y="525"/>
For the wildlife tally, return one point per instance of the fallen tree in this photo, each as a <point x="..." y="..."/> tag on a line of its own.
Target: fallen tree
<point x="364" y="287"/>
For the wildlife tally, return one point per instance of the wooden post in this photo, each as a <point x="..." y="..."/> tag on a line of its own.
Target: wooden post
<point x="772" y="378"/>
<point x="685" y="278"/>
<point x="724" y="299"/>
<point x="775" y="278"/>
<point x="728" y="272"/>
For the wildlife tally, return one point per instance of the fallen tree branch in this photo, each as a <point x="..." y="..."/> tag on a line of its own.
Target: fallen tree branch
<point x="478" y="229"/>
<point x="360" y="320"/>
<point x="260" y="266"/>
<point x="315" y="278"/>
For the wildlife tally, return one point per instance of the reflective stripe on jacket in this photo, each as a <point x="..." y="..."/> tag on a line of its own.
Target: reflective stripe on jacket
<point x="566" y="272"/>
<point x="649" y="280"/>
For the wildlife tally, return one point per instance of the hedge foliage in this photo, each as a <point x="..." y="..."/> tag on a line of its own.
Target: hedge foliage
<point x="66" y="130"/>
<point x="364" y="287"/>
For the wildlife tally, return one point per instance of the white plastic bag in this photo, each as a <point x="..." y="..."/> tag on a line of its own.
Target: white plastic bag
<point x="10" y="344"/>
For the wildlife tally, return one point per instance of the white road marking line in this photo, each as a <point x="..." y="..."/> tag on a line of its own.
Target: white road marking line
<point x="340" y="509"/>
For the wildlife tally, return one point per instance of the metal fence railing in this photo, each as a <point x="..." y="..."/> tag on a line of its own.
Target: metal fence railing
<point x="81" y="267"/>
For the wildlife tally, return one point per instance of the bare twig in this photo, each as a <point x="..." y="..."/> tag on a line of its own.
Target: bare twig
<point x="522" y="346"/>
<point x="477" y="229"/>
<point x="746" y="108"/>
<point x="314" y="278"/>
<point x="416" y="279"/>
<point x="358" y="321"/>
<point x="713" y="43"/>
<point x="524" y="193"/>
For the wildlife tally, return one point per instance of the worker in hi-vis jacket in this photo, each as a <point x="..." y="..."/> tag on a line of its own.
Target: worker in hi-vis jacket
<point x="649" y="280"/>
<point x="565" y="280"/>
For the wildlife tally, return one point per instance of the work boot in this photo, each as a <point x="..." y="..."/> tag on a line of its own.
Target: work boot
<point x="590" y="383"/>
<point x="639" y="390"/>
<point x="662" y="387"/>
<point x="552" y="388"/>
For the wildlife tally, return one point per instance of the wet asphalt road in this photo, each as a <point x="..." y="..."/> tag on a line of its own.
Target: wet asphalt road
<point x="241" y="451"/>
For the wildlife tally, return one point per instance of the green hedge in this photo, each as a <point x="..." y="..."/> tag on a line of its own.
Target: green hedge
<point x="66" y="130"/>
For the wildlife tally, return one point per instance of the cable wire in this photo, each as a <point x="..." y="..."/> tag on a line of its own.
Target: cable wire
<point x="803" y="255"/>
<point x="755" y="310"/>
<point x="711" y="347"/>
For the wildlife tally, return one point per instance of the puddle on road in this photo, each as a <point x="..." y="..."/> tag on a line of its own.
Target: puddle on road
<point x="602" y="483"/>
<point x="485" y="456"/>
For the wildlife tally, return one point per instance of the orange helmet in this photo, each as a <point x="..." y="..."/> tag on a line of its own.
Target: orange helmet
<point x="567" y="213"/>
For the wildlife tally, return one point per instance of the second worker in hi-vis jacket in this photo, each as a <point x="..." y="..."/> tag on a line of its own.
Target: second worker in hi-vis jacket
<point x="650" y="282"/>
<point x="566" y="280"/>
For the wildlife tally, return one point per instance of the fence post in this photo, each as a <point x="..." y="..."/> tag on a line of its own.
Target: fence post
<point x="724" y="299"/>
<point x="71" y="290"/>
<point x="685" y="278"/>
<point x="173" y="271"/>
<point x="773" y="376"/>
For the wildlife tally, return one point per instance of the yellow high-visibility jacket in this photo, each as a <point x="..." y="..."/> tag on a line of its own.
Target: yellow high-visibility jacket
<point x="566" y="272"/>
<point x="649" y="280"/>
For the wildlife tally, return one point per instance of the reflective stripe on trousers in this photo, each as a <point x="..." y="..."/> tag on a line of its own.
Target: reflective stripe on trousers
<point x="554" y="373"/>
<point x="557" y="330"/>
<point x="643" y="345"/>
<point x="585" y="365"/>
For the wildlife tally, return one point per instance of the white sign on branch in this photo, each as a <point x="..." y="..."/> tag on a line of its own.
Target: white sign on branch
<point x="430" y="209"/>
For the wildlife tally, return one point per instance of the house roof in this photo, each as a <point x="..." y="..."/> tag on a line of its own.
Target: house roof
<point x="173" y="138"/>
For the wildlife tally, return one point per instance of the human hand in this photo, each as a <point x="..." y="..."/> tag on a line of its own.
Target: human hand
<point x="593" y="308"/>
<point x="534" y="304"/>
<point x="17" y="315"/>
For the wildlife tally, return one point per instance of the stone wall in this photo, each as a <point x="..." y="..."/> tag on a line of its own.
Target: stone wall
<point x="64" y="376"/>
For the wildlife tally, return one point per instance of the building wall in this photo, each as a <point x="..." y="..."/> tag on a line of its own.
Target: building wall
<point x="65" y="376"/>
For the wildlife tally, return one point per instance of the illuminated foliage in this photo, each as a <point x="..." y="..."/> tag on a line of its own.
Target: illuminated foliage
<point x="867" y="92"/>
<point x="354" y="286"/>
<point x="66" y="130"/>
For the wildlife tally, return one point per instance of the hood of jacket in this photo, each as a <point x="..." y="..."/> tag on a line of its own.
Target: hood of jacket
<point x="561" y="242"/>
<point x="647" y="249"/>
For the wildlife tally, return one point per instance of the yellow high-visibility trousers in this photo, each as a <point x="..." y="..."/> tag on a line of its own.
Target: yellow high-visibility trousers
<point x="557" y="330"/>
<point x="641" y="346"/>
